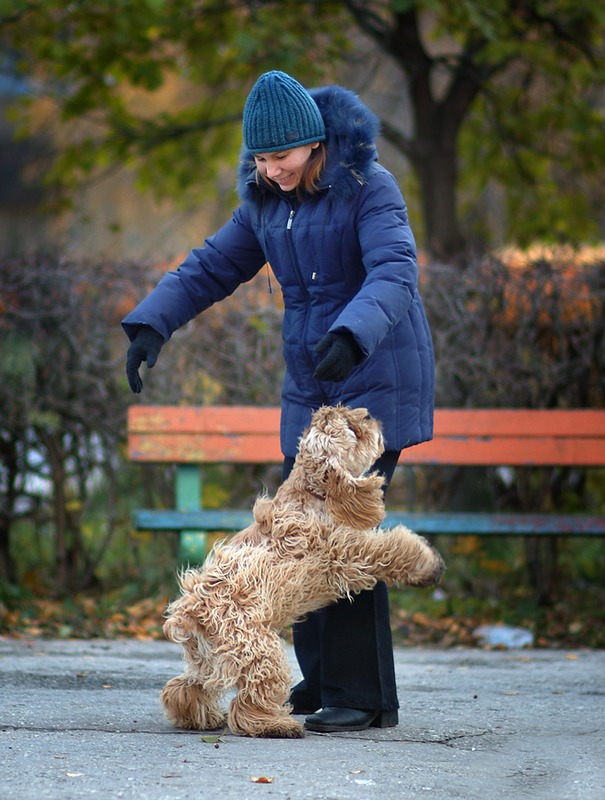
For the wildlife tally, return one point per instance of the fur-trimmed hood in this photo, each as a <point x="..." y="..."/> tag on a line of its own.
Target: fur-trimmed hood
<point x="351" y="133"/>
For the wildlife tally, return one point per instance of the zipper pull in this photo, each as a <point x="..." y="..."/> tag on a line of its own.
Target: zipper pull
<point x="290" y="218"/>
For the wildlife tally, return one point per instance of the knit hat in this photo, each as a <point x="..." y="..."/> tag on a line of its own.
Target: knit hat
<point x="280" y="114"/>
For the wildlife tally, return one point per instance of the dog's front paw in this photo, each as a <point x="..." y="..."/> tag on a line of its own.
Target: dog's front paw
<point x="403" y="557"/>
<point x="248" y="719"/>
<point x="429" y="568"/>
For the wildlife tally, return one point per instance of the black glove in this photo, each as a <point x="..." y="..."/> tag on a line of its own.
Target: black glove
<point x="343" y="354"/>
<point x="145" y="347"/>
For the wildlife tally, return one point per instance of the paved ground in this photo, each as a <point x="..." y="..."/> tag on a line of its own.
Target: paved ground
<point x="81" y="718"/>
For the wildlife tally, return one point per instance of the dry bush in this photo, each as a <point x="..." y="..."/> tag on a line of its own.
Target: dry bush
<point x="520" y="331"/>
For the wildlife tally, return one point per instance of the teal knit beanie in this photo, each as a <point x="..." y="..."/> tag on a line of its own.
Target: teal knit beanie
<point x="280" y="114"/>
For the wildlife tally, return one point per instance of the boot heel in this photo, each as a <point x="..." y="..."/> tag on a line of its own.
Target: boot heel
<point x="385" y="719"/>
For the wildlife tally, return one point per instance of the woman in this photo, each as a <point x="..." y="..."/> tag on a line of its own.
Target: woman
<point x="333" y="225"/>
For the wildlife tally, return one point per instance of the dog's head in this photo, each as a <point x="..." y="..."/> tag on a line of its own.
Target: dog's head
<point x="349" y="437"/>
<point x="337" y="450"/>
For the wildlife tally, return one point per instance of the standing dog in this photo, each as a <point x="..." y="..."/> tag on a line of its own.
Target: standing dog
<point x="312" y="544"/>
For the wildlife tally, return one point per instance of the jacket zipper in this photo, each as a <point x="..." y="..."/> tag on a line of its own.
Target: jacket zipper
<point x="301" y="282"/>
<point x="289" y="228"/>
<point x="293" y="254"/>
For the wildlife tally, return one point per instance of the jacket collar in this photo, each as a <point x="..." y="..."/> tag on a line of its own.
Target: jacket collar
<point x="351" y="133"/>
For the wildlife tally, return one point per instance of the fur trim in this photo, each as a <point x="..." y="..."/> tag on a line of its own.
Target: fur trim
<point x="351" y="133"/>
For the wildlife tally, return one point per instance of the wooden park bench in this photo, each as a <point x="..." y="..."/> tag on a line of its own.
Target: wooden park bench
<point x="192" y="437"/>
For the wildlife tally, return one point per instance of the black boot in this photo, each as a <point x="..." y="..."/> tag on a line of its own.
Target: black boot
<point x="332" y="719"/>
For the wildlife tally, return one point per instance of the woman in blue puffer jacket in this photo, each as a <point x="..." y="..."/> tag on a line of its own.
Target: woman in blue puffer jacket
<point x="333" y="225"/>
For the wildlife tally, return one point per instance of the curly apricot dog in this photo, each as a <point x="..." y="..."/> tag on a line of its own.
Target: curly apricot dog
<point x="312" y="544"/>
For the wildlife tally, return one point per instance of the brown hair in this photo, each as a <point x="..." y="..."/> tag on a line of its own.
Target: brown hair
<point x="311" y="174"/>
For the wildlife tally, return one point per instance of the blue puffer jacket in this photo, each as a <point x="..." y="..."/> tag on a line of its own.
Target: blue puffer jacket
<point x="345" y="259"/>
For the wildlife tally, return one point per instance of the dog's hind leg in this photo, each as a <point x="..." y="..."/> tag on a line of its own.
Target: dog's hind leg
<point x="187" y="705"/>
<point x="260" y="706"/>
<point x="188" y="700"/>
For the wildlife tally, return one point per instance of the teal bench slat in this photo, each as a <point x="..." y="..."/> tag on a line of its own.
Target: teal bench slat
<point x="494" y="524"/>
<point x="200" y="520"/>
<point x="428" y="524"/>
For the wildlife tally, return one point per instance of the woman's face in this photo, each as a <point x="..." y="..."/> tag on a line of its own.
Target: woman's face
<point x="286" y="166"/>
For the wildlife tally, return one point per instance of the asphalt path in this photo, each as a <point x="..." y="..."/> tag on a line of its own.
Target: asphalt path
<point x="81" y="719"/>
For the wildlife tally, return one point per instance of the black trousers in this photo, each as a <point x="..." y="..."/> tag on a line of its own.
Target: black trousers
<point x="345" y="651"/>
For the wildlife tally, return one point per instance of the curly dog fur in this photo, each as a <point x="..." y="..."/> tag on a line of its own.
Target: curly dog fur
<point x="310" y="545"/>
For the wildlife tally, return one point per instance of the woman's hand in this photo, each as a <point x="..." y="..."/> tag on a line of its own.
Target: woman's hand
<point x="145" y="347"/>
<point x="342" y="355"/>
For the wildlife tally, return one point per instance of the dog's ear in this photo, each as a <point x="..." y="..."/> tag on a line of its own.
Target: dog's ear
<point x="356" y="502"/>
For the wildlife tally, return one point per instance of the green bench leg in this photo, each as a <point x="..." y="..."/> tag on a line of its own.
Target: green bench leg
<point x="188" y="491"/>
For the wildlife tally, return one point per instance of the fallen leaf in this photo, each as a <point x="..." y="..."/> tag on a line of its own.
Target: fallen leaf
<point x="357" y="771"/>
<point x="262" y="779"/>
<point x="572" y="657"/>
<point x="212" y="739"/>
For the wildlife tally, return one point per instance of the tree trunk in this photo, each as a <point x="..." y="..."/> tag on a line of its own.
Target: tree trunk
<point x="8" y="571"/>
<point x="438" y="114"/>
<point x="432" y="153"/>
<point x="437" y="175"/>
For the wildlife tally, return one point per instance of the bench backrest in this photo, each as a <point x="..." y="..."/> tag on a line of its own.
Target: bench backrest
<point x="243" y="434"/>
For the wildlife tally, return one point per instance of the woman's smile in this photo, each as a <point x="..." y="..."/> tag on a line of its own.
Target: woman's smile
<point x="284" y="180"/>
<point x="285" y="167"/>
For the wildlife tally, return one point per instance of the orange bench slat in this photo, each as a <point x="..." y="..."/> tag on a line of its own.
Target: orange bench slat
<point x="242" y="434"/>
<point x="183" y="448"/>
<point x="203" y="419"/>
<point x="520" y="422"/>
